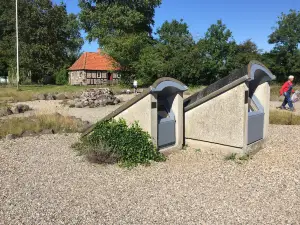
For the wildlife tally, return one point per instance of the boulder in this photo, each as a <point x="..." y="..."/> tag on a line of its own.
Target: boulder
<point x="47" y="131"/>
<point x="11" y="137"/>
<point x="50" y="97"/>
<point x="71" y="102"/>
<point x="85" y="103"/>
<point x="78" y="105"/>
<point x="97" y="103"/>
<point x="69" y="95"/>
<point x="15" y="109"/>
<point x="116" y="101"/>
<point x="77" y="100"/>
<point x="28" y="133"/>
<point x="103" y="102"/>
<point x="85" y="126"/>
<point x="41" y="97"/>
<point x="5" y="111"/>
<point x="60" y="96"/>
<point x="20" y="108"/>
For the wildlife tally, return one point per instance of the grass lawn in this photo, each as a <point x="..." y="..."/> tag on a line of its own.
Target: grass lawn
<point x="282" y="117"/>
<point x="26" y="93"/>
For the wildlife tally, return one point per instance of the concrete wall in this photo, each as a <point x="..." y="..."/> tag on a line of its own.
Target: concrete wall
<point x="154" y="120"/>
<point x="222" y="120"/>
<point x="177" y="107"/>
<point x="140" y="111"/>
<point x="262" y="92"/>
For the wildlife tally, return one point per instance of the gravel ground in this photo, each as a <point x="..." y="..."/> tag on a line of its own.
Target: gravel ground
<point x="275" y="104"/>
<point x="52" y="106"/>
<point x="42" y="181"/>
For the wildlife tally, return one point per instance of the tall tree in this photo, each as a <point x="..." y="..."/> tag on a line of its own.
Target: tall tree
<point x="49" y="37"/>
<point x="286" y="38"/>
<point x="122" y="28"/>
<point x="169" y="55"/>
<point x="216" y="52"/>
<point x="247" y="51"/>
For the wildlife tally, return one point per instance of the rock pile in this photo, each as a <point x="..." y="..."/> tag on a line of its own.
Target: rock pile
<point x="54" y="96"/>
<point x="19" y="108"/>
<point x="97" y="97"/>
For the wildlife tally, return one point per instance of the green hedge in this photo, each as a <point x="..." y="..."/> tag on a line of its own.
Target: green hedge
<point x="61" y="77"/>
<point x="114" y="140"/>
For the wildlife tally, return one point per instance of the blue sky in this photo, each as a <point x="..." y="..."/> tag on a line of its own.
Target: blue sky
<point x="245" y="18"/>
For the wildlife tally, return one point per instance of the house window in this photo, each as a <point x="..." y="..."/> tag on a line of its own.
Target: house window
<point x="80" y="75"/>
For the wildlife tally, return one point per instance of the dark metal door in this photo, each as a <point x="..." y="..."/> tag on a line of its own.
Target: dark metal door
<point x="255" y="127"/>
<point x="255" y="120"/>
<point x="166" y="126"/>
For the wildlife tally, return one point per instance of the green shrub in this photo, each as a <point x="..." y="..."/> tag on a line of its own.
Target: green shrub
<point x="115" y="141"/>
<point x="61" y="77"/>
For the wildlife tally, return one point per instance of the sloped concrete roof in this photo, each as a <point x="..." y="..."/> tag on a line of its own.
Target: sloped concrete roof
<point x="255" y="72"/>
<point x="137" y="98"/>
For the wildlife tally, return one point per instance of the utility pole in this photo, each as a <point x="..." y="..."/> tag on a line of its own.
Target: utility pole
<point x="17" y="43"/>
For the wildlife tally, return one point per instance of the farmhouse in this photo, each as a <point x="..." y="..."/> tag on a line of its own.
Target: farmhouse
<point x="94" y="68"/>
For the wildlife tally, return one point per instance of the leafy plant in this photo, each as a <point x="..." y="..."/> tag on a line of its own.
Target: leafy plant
<point x="61" y="77"/>
<point x="237" y="158"/>
<point x="231" y="156"/>
<point x="129" y="145"/>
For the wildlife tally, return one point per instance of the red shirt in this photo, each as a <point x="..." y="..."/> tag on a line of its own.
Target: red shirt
<point x="285" y="87"/>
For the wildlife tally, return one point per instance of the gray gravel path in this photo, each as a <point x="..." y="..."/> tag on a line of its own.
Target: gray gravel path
<point x="275" y="104"/>
<point x="42" y="181"/>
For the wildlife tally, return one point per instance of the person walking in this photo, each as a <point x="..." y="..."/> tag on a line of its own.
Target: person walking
<point x="287" y="90"/>
<point x="135" y="83"/>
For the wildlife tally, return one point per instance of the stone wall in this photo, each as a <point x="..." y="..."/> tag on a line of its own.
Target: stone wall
<point x="92" y="77"/>
<point x="77" y="77"/>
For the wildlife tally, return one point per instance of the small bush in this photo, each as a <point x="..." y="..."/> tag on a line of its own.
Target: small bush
<point x="61" y="77"/>
<point x="284" y="118"/>
<point x="231" y="156"/>
<point x="237" y="158"/>
<point x="115" y="141"/>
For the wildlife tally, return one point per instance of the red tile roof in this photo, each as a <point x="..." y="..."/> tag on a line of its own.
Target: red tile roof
<point x="94" y="61"/>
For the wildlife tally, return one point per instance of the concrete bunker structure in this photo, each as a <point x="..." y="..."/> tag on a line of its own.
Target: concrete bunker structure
<point x="231" y="115"/>
<point x="159" y="111"/>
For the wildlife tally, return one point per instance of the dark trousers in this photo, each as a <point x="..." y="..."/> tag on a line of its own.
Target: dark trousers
<point x="287" y="100"/>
